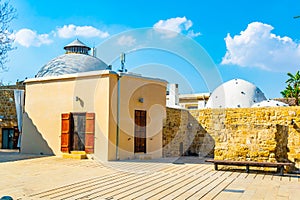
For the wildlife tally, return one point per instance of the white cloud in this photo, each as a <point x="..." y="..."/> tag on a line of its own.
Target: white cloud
<point x="258" y="47"/>
<point x="174" y="26"/>
<point x="70" y="31"/>
<point x="27" y="38"/>
<point x="192" y="34"/>
<point x="126" y="41"/>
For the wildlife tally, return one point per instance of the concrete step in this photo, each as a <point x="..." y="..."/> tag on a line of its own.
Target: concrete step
<point x="74" y="156"/>
<point x="143" y="156"/>
<point x="78" y="152"/>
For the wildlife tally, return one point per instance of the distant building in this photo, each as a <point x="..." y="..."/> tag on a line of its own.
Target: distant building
<point x="193" y="101"/>
<point x="236" y="93"/>
<point x="186" y="101"/>
<point x="289" y="101"/>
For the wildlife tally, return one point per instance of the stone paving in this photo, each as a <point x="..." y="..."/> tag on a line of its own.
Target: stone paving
<point x="31" y="177"/>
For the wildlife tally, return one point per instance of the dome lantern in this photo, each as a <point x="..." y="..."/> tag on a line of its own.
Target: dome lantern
<point x="75" y="60"/>
<point x="77" y="47"/>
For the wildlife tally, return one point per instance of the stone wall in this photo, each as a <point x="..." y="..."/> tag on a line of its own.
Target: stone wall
<point x="183" y="135"/>
<point x="7" y="108"/>
<point x="256" y="134"/>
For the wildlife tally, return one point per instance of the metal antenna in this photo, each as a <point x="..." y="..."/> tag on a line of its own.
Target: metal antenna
<point x="122" y="58"/>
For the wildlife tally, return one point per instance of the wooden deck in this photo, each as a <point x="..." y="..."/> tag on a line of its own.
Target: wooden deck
<point x="158" y="180"/>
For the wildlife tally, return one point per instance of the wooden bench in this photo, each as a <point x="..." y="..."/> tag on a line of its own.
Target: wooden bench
<point x="278" y="165"/>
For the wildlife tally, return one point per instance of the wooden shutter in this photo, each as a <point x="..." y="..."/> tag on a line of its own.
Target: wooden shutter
<point x="89" y="132"/>
<point x="65" y="132"/>
<point x="140" y="131"/>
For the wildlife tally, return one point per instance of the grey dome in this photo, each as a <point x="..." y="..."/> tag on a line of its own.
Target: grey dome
<point x="236" y="93"/>
<point x="71" y="63"/>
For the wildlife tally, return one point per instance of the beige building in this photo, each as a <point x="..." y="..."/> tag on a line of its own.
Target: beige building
<point x="186" y="101"/>
<point x="193" y="101"/>
<point x="110" y="115"/>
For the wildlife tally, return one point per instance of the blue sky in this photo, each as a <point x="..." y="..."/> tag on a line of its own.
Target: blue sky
<point x="258" y="41"/>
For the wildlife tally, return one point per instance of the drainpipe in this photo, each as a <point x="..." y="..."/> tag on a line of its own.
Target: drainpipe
<point x="122" y="58"/>
<point x="118" y="117"/>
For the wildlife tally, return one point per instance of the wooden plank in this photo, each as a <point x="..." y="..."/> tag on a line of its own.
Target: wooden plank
<point x="169" y="169"/>
<point x="259" y="176"/>
<point x="190" y="168"/>
<point x="219" y="188"/>
<point x="88" y="189"/>
<point x="127" y="186"/>
<point x="175" y="169"/>
<point x="159" y="191"/>
<point x="203" y="183"/>
<point x="165" y="194"/>
<point x="195" y="181"/>
<point x="210" y="187"/>
<point x="53" y="193"/>
<point x="126" y="191"/>
<point x="177" y="185"/>
<point x="147" y="191"/>
<point x="202" y="169"/>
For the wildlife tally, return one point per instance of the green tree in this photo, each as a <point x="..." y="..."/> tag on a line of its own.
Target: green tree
<point x="293" y="88"/>
<point x="7" y="14"/>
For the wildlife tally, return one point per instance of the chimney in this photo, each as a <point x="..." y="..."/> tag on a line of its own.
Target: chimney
<point x="173" y="94"/>
<point x="94" y="51"/>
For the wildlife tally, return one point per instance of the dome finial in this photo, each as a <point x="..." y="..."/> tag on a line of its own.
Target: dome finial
<point x="77" y="47"/>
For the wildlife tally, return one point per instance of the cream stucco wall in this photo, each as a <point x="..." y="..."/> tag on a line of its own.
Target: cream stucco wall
<point x="153" y="92"/>
<point x="97" y="92"/>
<point x="47" y="99"/>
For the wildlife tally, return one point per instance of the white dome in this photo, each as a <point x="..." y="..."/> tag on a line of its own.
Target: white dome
<point x="236" y="93"/>
<point x="71" y="63"/>
<point x="269" y="103"/>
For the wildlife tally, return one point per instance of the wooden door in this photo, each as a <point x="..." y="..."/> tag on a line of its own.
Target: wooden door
<point x="140" y="131"/>
<point x="89" y="132"/>
<point x="7" y="138"/>
<point x="77" y="132"/>
<point x="65" y="132"/>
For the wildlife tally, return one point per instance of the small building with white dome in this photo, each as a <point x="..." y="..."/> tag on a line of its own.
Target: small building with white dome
<point x="236" y="93"/>
<point x="77" y="103"/>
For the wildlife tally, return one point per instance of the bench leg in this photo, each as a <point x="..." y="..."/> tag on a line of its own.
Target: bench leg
<point x="280" y="169"/>
<point x="247" y="169"/>
<point x="216" y="166"/>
